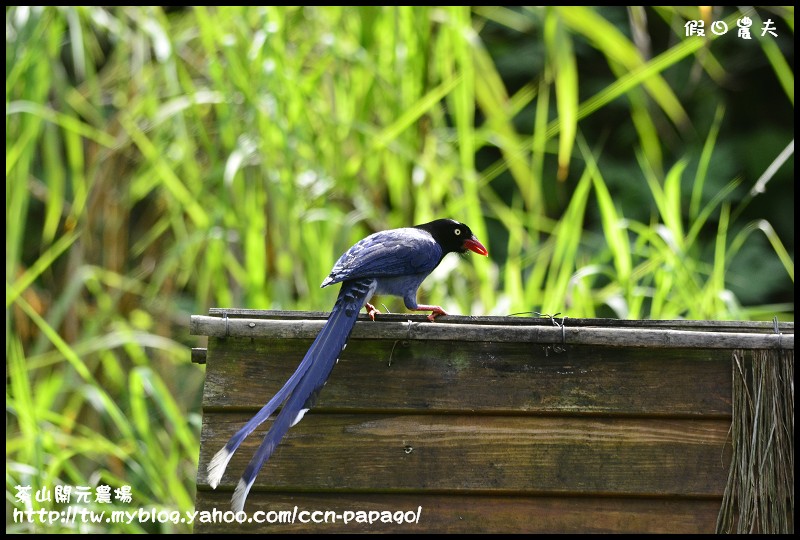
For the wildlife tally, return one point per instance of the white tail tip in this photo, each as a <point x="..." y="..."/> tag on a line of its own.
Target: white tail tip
<point x="299" y="417"/>
<point x="240" y="495"/>
<point x="217" y="465"/>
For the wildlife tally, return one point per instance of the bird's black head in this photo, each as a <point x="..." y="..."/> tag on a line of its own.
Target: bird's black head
<point x="453" y="236"/>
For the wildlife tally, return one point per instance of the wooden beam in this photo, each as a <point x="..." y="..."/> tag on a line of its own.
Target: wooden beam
<point x="542" y="332"/>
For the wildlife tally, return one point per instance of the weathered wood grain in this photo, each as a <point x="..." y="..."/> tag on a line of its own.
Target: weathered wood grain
<point x="486" y="377"/>
<point x="761" y="327"/>
<point x="541" y="333"/>
<point x="455" y="453"/>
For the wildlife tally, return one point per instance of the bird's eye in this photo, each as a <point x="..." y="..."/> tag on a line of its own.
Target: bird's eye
<point x="458" y="232"/>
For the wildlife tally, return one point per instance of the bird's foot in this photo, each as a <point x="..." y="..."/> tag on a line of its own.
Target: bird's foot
<point x="435" y="311"/>
<point x="371" y="311"/>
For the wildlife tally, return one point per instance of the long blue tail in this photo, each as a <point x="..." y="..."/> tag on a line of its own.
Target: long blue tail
<point x="218" y="464"/>
<point x="299" y="392"/>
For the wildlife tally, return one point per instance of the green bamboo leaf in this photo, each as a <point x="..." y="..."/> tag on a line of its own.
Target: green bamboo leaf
<point x="705" y="160"/>
<point x="565" y="76"/>
<point x="63" y="120"/>
<point x="413" y="113"/>
<point x="172" y="183"/>
<point x="619" y="49"/>
<point x="43" y="263"/>
<point x="615" y="233"/>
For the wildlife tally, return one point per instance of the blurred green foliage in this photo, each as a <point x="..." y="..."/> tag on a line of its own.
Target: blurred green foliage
<point x="163" y="161"/>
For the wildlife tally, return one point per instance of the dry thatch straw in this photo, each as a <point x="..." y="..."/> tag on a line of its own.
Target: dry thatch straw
<point x="759" y="496"/>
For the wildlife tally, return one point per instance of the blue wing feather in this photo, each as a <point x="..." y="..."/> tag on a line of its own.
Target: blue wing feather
<point x="397" y="252"/>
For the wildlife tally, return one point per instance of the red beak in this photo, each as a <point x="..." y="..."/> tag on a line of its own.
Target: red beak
<point x="474" y="245"/>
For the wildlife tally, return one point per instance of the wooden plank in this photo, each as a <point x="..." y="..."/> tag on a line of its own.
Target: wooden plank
<point x="569" y="334"/>
<point x="466" y="514"/>
<point x="483" y="454"/>
<point x="491" y="424"/>
<point x="529" y="320"/>
<point x="487" y="377"/>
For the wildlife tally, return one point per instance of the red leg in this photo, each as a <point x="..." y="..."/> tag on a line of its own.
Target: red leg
<point x="371" y="311"/>
<point x="435" y="311"/>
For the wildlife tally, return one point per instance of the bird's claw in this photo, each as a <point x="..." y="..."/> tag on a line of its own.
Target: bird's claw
<point x="435" y="312"/>
<point x="371" y="311"/>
